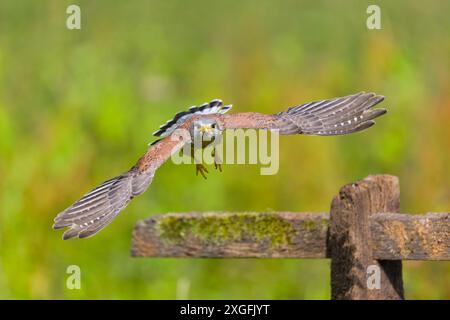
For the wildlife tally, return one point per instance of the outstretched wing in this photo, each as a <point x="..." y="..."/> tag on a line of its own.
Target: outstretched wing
<point x="99" y="207"/>
<point x="330" y="117"/>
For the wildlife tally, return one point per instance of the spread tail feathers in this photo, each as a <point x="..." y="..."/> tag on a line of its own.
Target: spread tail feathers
<point x="99" y="207"/>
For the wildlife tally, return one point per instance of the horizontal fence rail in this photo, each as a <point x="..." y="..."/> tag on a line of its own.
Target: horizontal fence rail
<point x="232" y="235"/>
<point x="399" y="236"/>
<point x="395" y="236"/>
<point x="363" y="232"/>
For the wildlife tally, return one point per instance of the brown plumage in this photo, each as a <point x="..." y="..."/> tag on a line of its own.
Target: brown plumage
<point x="335" y="116"/>
<point x="99" y="207"/>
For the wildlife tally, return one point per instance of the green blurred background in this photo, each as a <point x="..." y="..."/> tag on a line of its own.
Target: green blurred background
<point x="79" y="106"/>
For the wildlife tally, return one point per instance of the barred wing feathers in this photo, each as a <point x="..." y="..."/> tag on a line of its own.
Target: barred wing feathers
<point x="99" y="207"/>
<point x="329" y="117"/>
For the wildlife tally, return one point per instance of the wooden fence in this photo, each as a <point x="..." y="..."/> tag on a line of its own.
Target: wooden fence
<point x="364" y="236"/>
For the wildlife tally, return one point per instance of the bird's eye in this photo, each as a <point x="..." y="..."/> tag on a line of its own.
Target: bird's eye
<point x="213" y="126"/>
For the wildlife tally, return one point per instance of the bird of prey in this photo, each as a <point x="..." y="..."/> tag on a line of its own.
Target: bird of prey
<point x="337" y="116"/>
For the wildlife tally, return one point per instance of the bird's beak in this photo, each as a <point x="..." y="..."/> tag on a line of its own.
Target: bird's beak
<point x="206" y="128"/>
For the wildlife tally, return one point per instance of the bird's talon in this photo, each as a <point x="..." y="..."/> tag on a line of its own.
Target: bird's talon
<point x="202" y="169"/>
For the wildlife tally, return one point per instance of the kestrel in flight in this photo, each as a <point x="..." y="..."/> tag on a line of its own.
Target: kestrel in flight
<point x="337" y="116"/>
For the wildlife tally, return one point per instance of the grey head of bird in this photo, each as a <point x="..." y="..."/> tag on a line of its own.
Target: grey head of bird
<point x="205" y="130"/>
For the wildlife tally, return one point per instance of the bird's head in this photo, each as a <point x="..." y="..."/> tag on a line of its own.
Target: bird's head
<point x="205" y="130"/>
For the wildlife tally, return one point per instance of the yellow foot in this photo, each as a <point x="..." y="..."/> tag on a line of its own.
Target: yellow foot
<point x="218" y="166"/>
<point x="202" y="169"/>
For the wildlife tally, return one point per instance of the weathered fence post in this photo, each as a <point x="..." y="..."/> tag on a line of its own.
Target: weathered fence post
<point x="364" y="235"/>
<point x="350" y="242"/>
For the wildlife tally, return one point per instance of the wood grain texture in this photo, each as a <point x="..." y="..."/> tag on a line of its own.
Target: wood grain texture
<point x="363" y="230"/>
<point x="350" y="240"/>
<point x="411" y="237"/>
<point x="232" y="235"/>
<point x="395" y="236"/>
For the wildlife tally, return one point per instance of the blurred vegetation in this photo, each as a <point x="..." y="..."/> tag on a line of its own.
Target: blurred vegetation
<point x="78" y="107"/>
